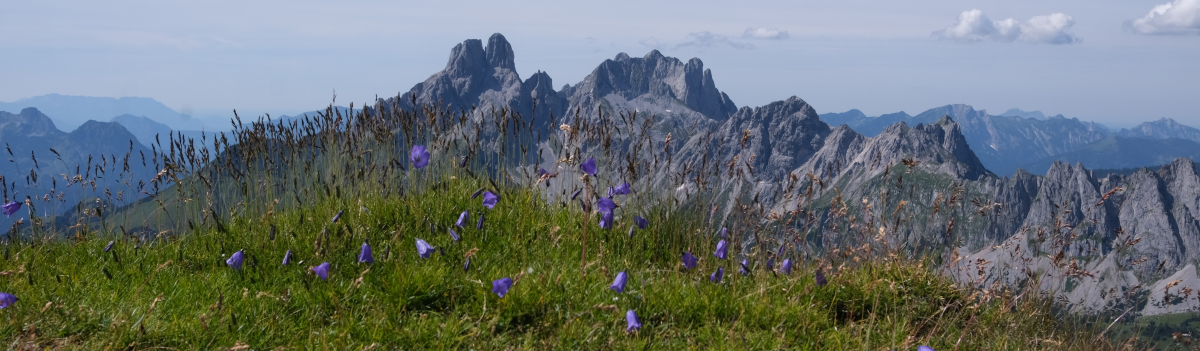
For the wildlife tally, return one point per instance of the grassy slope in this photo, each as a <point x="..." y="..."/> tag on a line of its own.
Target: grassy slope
<point x="177" y="292"/>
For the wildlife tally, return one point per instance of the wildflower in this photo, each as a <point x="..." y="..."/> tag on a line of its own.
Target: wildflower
<point x="689" y="260"/>
<point x="724" y="233"/>
<point x="463" y="218"/>
<point x="11" y="208"/>
<point x="490" y="199"/>
<point x="642" y="223"/>
<point x="622" y="189"/>
<point x="476" y="194"/>
<point x="364" y="255"/>
<point x="606" y="220"/>
<point x="631" y="231"/>
<point x="575" y="194"/>
<point x="770" y="264"/>
<point x="606" y="205"/>
<point x="235" y="261"/>
<point x="631" y="321"/>
<point x="287" y="257"/>
<point x="7" y="299"/>
<point x="424" y="249"/>
<point x="584" y="206"/>
<point x="716" y="276"/>
<point x="787" y="266"/>
<point x="501" y="286"/>
<point x="322" y="270"/>
<point x="618" y="284"/>
<point x="337" y="216"/>
<point x="419" y="157"/>
<point x="542" y="172"/>
<point x="453" y="235"/>
<point x="745" y="268"/>
<point x="589" y="166"/>
<point x="467" y="265"/>
<point x="722" y="250"/>
<point x="479" y="226"/>
<point x="109" y="246"/>
<point x="924" y="348"/>
<point x="820" y="278"/>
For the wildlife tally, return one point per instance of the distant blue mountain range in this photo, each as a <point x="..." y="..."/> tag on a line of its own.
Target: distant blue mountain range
<point x="69" y="112"/>
<point x="1032" y="141"/>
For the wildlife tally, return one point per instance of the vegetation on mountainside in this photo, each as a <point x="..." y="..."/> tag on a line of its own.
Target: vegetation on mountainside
<point x="337" y="189"/>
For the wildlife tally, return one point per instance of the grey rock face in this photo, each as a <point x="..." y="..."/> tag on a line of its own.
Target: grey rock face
<point x="1146" y="231"/>
<point x="656" y="77"/>
<point x="482" y="78"/>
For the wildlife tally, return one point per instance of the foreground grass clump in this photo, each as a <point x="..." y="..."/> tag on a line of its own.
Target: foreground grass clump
<point x="178" y="292"/>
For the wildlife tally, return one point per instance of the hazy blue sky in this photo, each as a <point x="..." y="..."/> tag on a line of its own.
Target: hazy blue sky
<point x="1115" y="62"/>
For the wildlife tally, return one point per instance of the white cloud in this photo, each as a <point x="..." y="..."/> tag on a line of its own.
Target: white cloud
<point x="765" y="33"/>
<point x="1176" y="17"/>
<point x="708" y="39"/>
<point x="973" y="26"/>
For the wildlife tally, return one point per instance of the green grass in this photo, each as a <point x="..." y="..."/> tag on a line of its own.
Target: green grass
<point x="1161" y="331"/>
<point x="176" y="291"/>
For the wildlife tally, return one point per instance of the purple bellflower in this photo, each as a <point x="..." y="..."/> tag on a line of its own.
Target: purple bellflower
<point x="622" y="189"/>
<point x="588" y="166"/>
<point x="716" y="276"/>
<point x="606" y="205"/>
<point x="364" y="255"/>
<point x="606" y="220"/>
<point x="479" y="225"/>
<point x="631" y="321"/>
<point x="618" y="284"/>
<point x="321" y="270"/>
<point x="476" y="194"/>
<point x="745" y="268"/>
<point x="786" y="268"/>
<point x="109" y="246"/>
<point x="424" y="249"/>
<point x="463" y="219"/>
<point x="689" y="260"/>
<point x="287" y="257"/>
<point x="7" y="299"/>
<point x="11" y="208"/>
<point x="490" y="199"/>
<point x="235" y="261"/>
<point x="722" y="250"/>
<point x="453" y="235"/>
<point x="642" y="223"/>
<point x="419" y="157"/>
<point x="501" y="286"/>
<point x="924" y="348"/>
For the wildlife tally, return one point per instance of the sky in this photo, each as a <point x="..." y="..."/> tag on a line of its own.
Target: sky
<point x="1113" y="62"/>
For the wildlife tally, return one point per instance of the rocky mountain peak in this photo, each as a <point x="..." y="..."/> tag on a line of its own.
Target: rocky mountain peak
<point x="655" y="79"/>
<point x="1163" y="128"/>
<point x="29" y="123"/>
<point x="499" y="53"/>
